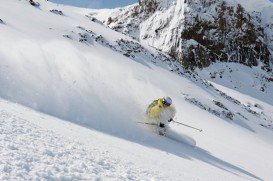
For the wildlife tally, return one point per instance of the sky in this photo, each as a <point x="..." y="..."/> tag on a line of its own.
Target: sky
<point x="100" y="3"/>
<point x="96" y="3"/>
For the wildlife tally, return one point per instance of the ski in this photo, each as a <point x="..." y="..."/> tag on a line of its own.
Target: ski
<point x="154" y="124"/>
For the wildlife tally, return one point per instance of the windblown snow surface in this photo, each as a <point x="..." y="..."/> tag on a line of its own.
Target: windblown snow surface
<point x="72" y="94"/>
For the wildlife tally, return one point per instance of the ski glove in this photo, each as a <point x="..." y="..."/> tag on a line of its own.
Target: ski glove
<point x="161" y="125"/>
<point x="170" y="120"/>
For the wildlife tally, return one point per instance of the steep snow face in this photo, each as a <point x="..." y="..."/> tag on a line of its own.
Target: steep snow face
<point x="75" y="68"/>
<point x="253" y="82"/>
<point x="63" y="62"/>
<point x="37" y="146"/>
<point x="163" y="28"/>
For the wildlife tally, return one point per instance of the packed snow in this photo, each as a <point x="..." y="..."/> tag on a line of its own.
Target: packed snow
<point x="85" y="96"/>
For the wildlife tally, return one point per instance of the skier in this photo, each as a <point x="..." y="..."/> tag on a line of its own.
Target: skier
<point x="161" y="113"/>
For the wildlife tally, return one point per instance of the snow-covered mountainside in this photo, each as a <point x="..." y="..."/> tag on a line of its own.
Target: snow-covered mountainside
<point x="200" y="32"/>
<point x="86" y="86"/>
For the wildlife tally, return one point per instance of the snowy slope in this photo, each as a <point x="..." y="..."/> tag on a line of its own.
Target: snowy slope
<point x="73" y="67"/>
<point x="249" y="81"/>
<point x="37" y="146"/>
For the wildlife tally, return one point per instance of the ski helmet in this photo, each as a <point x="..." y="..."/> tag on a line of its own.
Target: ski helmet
<point x="167" y="101"/>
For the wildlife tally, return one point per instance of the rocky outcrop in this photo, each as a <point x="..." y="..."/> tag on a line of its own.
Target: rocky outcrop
<point x="33" y="3"/>
<point x="58" y="12"/>
<point x="197" y="33"/>
<point x="228" y="36"/>
<point x="148" y="6"/>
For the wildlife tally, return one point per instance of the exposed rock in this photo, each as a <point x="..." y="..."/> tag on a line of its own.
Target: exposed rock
<point x="67" y="36"/>
<point x="91" y="18"/>
<point x="148" y="6"/>
<point x="219" y="104"/>
<point x="55" y="11"/>
<point x="197" y="33"/>
<point x="229" y="36"/>
<point x="223" y="113"/>
<point x="33" y="3"/>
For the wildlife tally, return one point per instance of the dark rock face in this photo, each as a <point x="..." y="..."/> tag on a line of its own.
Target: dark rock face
<point x="33" y="3"/>
<point x="229" y="36"/>
<point x="148" y="6"/>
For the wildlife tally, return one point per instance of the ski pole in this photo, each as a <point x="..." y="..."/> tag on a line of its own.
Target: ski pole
<point x="188" y="126"/>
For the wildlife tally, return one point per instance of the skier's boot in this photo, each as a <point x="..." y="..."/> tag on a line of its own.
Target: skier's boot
<point x="162" y="129"/>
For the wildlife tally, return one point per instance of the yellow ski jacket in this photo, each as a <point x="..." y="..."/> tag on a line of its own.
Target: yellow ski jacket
<point x="159" y="112"/>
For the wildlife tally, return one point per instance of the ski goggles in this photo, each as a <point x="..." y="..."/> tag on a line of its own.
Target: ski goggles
<point x="166" y="103"/>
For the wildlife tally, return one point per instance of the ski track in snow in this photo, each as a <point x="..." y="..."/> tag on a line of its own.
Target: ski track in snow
<point x="28" y="151"/>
